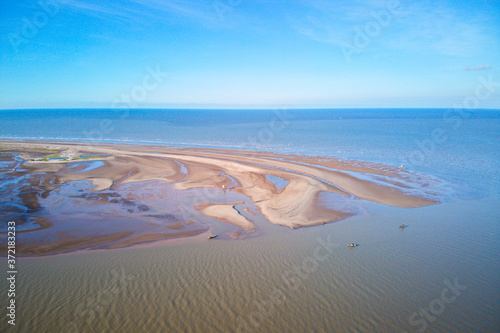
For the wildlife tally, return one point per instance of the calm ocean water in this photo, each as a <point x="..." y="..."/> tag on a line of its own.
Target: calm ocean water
<point x="394" y="281"/>
<point x="467" y="143"/>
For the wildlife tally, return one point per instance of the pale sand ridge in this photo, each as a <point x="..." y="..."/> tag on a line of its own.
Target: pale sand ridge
<point x="295" y="205"/>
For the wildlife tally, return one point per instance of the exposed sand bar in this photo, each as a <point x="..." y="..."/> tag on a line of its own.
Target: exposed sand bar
<point x="289" y="206"/>
<point x="294" y="205"/>
<point x="226" y="213"/>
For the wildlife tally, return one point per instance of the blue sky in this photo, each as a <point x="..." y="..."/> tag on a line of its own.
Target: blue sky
<point x="248" y="54"/>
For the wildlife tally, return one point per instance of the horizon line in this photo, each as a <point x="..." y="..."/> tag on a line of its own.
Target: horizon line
<point x="250" y="109"/>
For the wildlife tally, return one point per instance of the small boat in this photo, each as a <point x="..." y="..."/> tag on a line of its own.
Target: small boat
<point x="213" y="236"/>
<point x="352" y="244"/>
<point x="402" y="226"/>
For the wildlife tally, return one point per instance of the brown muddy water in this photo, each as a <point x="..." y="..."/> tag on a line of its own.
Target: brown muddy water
<point x="440" y="274"/>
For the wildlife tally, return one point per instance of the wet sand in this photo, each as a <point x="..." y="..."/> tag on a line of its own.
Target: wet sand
<point x="208" y="171"/>
<point x="226" y="213"/>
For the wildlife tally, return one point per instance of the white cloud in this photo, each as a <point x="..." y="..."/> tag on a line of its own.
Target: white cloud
<point x="478" y="68"/>
<point x="334" y="21"/>
<point x="422" y="27"/>
<point x="135" y="10"/>
<point x="441" y="30"/>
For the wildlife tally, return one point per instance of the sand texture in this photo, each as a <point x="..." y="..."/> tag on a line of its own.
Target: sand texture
<point x="297" y="204"/>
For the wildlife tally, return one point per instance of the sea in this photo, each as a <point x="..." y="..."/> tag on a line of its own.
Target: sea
<point x="440" y="274"/>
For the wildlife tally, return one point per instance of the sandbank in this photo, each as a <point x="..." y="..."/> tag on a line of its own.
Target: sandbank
<point x="295" y="205"/>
